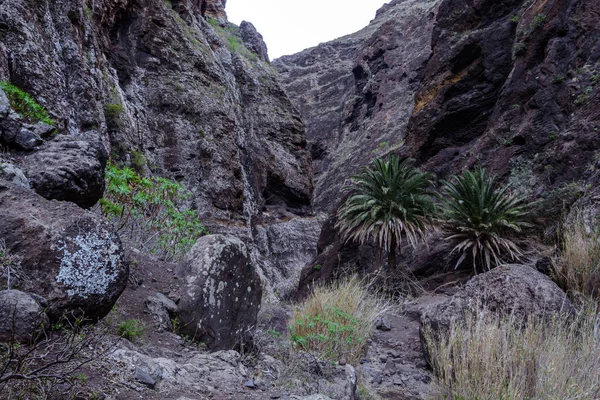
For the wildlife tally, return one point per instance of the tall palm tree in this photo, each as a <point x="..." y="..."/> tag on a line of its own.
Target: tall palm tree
<point x="480" y="216"/>
<point x="389" y="200"/>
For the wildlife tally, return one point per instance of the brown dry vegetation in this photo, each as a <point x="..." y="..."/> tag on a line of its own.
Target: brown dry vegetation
<point x="488" y="357"/>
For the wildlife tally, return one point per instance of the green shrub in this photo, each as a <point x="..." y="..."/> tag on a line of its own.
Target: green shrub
<point x="25" y="105"/>
<point x="479" y="216"/>
<point x="558" y="78"/>
<point x="112" y="115"/>
<point x="538" y="21"/>
<point x="148" y="211"/>
<point x="131" y="329"/>
<point x="336" y="322"/>
<point x="520" y="49"/>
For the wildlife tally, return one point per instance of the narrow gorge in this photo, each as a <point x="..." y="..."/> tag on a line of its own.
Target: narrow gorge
<point x="172" y="200"/>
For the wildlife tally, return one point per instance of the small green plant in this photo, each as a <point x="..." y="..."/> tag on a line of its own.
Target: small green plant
<point x="553" y="135"/>
<point x="131" y="329"/>
<point x="520" y="49"/>
<point x="138" y="161"/>
<point x="112" y="115"/>
<point x="148" y="211"/>
<point x="274" y="334"/>
<point x="176" y="324"/>
<point x="336" y="322"/>
<point x="558" y="78"/>
<point x="479" y="216"/>
<point x="583" y="97"/>
<point x="25" y="105"/>
<point x="515" y="19"/>
<point x="538" y="21"/>
<point x="504" y="141"/>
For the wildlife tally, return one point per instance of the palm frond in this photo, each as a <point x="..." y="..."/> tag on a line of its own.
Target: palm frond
<point x="480" y="216"/>
<point x="389" y="200"/>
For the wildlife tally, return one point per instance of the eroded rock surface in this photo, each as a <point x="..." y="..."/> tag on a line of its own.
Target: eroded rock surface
<point x="221" y="292"/>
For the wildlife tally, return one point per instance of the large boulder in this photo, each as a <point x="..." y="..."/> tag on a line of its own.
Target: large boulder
<point x="516" y="290"/>
<point x="69" y="256"/>
<point x="21" y="317"/>
<point x="221" y="292"/>
<point x="67" y="169"/>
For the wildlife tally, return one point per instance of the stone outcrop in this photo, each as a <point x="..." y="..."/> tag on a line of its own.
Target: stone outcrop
<point x="22" y="318"/>
<point x="162" y="90"/>
<point x="517" y="291"/>
<point x="221" y="292"/>
<point x="70" y="170"/>
<point x="70" y="257"/>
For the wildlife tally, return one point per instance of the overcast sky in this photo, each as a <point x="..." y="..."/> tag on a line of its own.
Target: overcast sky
<point x="289" y="26"/>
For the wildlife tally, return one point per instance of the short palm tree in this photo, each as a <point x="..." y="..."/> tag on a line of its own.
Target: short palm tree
<point x="480" y="216"/>
<point x="389" y="200"/>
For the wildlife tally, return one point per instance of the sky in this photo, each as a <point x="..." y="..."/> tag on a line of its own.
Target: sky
<point x="289" y="26"/>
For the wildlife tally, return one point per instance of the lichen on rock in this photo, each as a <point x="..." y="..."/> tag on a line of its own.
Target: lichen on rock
<point x="90" y="263"/>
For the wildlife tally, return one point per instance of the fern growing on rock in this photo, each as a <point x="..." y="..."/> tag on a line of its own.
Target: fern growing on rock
<point x="389" y="200"/>
<point x="480" y="216"/>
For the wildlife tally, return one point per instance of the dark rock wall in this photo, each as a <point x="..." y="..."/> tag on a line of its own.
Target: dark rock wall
<point x="512" y="85"/>
<point x="356" y="93"/>
<point x="166" y="91"/>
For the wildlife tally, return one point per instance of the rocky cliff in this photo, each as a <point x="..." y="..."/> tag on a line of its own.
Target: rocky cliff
<point x="169" y="88"/>
<point x="511" y="85"/>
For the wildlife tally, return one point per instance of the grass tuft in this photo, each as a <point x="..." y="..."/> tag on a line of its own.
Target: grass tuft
<point x="577" y="270"/>
<point x="131" y="329"/>
<point x="335" y="322"/>
<point x="25" y="105"/>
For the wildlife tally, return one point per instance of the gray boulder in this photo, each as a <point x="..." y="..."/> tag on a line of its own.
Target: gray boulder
<point x="13" y="174"/>
<point x="161" y="308"/>
<point x="221" y="292"/>
<point x="516" y="290"/>
<point x="69" y="256"/>
<point x="27" y="139"/>
<point x="67" y="169"/>
<point x="21" y="317"/>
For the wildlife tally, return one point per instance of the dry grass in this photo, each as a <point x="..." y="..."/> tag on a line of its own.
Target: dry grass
<point x="487" y="357"/>
<point x="335" y="322"/>
<point x="577" y="270"/>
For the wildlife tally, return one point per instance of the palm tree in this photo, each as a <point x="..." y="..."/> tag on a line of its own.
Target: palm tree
<point x="389" y="200"/>
<point x="479" y="215"/>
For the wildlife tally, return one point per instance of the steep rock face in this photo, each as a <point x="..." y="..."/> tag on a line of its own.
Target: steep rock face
<point x="511" y="85"/>
<point x="169" y="88"/>
<point x="159" y="85"/>
<point x="356" y="93"/>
